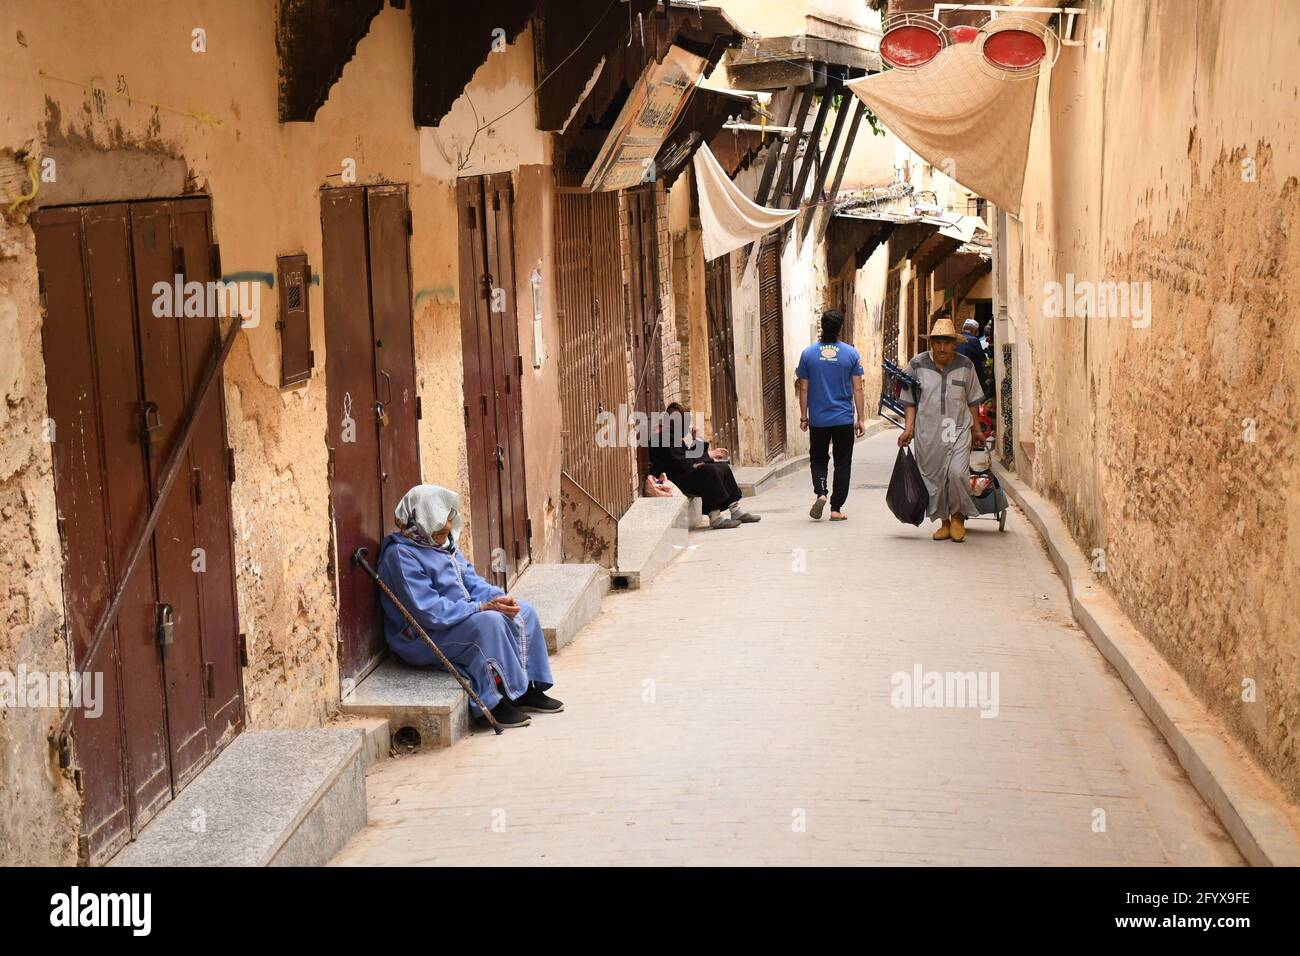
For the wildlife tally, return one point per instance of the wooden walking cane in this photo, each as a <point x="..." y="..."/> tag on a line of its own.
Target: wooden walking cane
<point x="359" y="557"/>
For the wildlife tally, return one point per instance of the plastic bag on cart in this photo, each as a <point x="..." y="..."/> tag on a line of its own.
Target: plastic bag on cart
<point x="907" y="496"/>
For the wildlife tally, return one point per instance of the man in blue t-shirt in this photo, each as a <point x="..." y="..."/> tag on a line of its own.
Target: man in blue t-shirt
<point x="830" y="386"/>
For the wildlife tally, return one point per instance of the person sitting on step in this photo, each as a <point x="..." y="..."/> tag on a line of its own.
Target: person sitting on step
<point x="494" y="640"/>
<point x="678" y="452"/>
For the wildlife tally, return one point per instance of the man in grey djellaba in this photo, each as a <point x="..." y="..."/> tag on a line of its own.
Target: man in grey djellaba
<point x="946" y="426"/>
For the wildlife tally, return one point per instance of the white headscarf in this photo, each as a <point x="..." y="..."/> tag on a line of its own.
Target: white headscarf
<point x="425" y="509"/>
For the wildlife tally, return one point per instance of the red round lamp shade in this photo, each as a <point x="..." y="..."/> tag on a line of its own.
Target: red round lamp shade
<point x="963" y="34"/>
<point x="909" y="46"/>
<point x="1014" y="49"/>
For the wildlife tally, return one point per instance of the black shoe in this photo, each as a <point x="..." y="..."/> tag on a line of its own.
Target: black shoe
<point x="508" y="715"/>
<point x="536" y="701"/>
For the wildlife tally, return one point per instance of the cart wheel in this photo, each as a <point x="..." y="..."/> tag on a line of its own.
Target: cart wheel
<point x="1002" y="520"/>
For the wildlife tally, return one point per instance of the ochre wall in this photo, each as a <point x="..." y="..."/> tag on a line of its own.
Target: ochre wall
<point x="1170" y="157"/>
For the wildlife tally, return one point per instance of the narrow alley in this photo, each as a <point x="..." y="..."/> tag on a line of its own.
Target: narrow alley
<point x="739" y="711"/>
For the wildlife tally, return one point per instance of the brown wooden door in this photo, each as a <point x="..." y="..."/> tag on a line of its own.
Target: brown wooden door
<point x="722" y="353"/>
<point x="772" y="347"/>
<point x="121" y="380"/>
<point x="493" y="369"/>
<point x="593" y="352"/>
<point x="373" y="435"/>
<point x="644" y="307"/>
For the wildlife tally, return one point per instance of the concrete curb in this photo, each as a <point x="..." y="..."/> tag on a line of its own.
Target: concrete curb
<point x="751" y="479"/>
<point x="1256" y="814"/>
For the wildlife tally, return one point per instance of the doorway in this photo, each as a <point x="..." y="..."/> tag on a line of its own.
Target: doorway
<point x="772" y="347"/>
<point x="372" y="432"/>
<point x="722" y="352"/>
<point x="122" y="371"/>
<point x="494" y="425"/>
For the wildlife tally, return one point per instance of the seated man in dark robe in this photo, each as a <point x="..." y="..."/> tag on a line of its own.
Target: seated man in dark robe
<point x="698" y="470"/>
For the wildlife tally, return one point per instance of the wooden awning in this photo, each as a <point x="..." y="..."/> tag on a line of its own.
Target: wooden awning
<point x="705" y="32"/>
<point x="315" y="39"/>
<point x="700" y="122"/>
<point x="451" y="41"/>
<point x="855" y="237"/>
<point x="735" y="149"/>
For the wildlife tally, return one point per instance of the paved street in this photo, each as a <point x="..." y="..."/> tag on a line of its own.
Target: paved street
<point x="739" y="711"/>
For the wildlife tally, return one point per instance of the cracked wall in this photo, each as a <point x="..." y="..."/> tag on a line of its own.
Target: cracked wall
<point x="1170" y="158"/>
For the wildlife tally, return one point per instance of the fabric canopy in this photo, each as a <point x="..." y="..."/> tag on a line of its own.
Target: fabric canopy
<point x="728" y="218"/>
<point x="962" y="118"/>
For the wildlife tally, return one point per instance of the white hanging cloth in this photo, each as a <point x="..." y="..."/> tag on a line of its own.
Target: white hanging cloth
<point x="729" y="218"/>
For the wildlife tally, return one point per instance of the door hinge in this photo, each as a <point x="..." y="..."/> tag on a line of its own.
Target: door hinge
<point x="215" y="254"/>
<point x="311" y="358"/>
<point x="329" y="464"/>
<point x="467" y="413"/>
<point x="519" y="365"/>
<point x="528" y="528"/>
<point x="62" y="525"/>
<point x="230" y="465"/>
<point x="419" y="409"/>
<point x="211" y="678"/>
<point x="40" y="285"/>
<point x="243" y="650"/>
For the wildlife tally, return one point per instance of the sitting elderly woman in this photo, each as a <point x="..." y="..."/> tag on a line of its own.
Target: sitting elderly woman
<point x="494" y="640"/>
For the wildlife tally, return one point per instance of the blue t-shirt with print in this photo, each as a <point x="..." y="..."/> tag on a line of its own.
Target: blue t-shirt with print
<point x="829" y="367"/>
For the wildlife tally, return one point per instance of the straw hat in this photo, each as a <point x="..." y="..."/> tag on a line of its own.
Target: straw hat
<point x="943" y="329"/>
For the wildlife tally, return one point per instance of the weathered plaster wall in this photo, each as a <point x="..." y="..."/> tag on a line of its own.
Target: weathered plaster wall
<point x="1171" y="158"/>
<point x="39" y="809"/>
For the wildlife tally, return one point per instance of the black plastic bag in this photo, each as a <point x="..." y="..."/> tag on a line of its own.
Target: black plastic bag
<point x="907" y="496"/>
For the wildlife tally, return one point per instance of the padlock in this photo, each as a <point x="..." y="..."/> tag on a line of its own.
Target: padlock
<point x="381" y="414"/>
<point x="166" y="625"/>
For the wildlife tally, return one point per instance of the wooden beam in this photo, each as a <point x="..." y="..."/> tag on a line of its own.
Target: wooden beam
<point x="814" y="138"/>
<point x="792" y="147"/>
<point x="774" y="155"/>
<point x="823" y="168"/>
<point x="859" y="112"/>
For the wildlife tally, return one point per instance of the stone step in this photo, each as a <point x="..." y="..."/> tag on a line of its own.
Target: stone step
<point x="425" y="701"/>
<point x="565" y="596"/>
<point x="376" y="737"/>
<point x="271" y="798"/>
<point x="650" y="534"/>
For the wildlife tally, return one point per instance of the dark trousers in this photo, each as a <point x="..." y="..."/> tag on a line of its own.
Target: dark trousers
<point x="712" y="482"/>
<point x="839" y="437"/>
